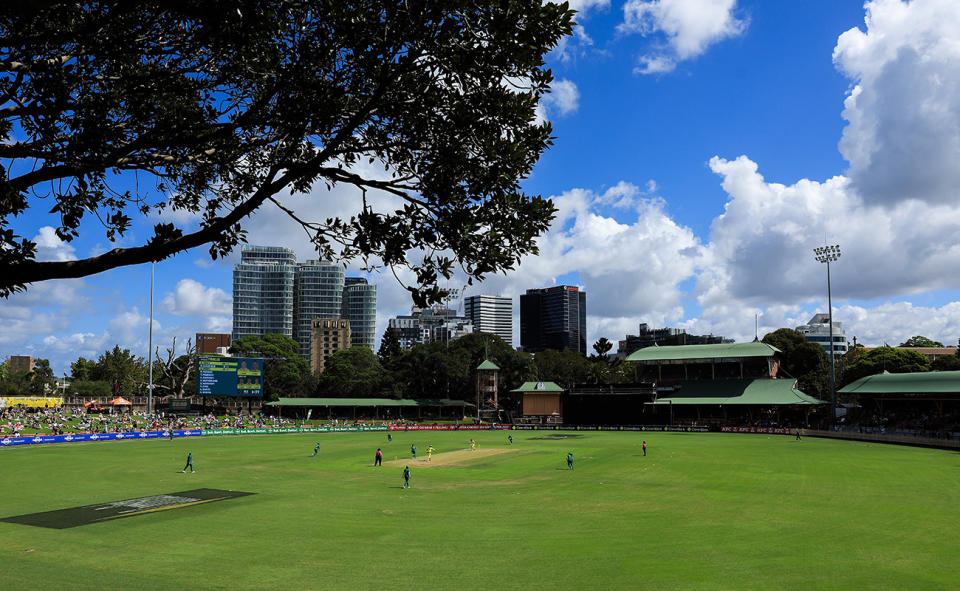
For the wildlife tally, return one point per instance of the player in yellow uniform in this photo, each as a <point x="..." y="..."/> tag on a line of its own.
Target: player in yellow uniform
<point x="473" y="445"/>
<point x="429" y="452"/>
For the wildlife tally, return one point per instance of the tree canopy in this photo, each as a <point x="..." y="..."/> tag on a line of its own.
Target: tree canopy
<point x="799" y="356"/>
<point x="920" y="341"/>
<point x="882" y="359"/>
<point x="285" y="372"/>
<point x="354" y="372"/>
<point x="112" y="111"/>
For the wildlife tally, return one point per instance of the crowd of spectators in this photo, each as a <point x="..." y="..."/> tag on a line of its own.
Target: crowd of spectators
<point x="19" y="420"/>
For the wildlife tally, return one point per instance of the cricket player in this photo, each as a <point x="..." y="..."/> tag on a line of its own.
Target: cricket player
<point x="570" y="460"/>
<point x="406" y="477"/>
<point x="798" y="434"/>
<point x="644" y="448"/>
<point x="378" y="459"/>
<point x="510" y="437"/>
<point x="315" y="450"/>
<point x="189" y="464"/>
<point x="389" y="437"/>
<point x="429" y="453"/>
<point x="413" y="451"/>
<point x="473" y="445"/>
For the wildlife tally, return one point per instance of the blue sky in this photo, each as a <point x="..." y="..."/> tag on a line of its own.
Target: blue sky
<point x="704" y="148"/>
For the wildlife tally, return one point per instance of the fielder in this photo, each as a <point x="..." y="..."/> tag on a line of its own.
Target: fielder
<point x="189" y="464"/>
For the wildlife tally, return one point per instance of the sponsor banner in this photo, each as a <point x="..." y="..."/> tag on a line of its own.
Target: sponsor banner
<point x="31" y="401"/>
<point x="273" y="430"/>
<point x="358" y="428"/>
<point x="77" y="437"/>
<point x="208" y="432"/>
<point x="696" y="429"/>
<point x="443" y="428"/>
<point x="769" y="430"/>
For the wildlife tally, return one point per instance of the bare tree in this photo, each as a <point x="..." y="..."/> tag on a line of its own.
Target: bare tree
<point x="176" y="370"/>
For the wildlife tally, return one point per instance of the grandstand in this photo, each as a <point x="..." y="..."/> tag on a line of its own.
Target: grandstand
<point x="920" y="404"/>
<point x="720" y="383"/>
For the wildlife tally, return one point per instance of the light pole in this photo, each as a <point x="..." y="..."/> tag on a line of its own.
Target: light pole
<point x="150" y="345"/>
<point x="828" y="254"/>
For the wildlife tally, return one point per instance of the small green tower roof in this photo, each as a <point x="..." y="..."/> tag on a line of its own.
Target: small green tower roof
<point x="487" y="364"/>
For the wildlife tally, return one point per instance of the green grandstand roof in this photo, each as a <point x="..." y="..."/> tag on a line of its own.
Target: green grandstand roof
<point x="723" y="351"/>
<point x="342" y="402"/>
<point x="759" y="392"/>
<point x="906" y="383"/>
<point x="487" y="364"/>
<point x="538" y="387"/>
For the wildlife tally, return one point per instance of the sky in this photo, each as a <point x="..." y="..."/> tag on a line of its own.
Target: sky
<point x="703" y="149"/>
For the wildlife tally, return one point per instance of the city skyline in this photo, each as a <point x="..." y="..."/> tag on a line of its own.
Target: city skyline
<point x="694" y="171"/>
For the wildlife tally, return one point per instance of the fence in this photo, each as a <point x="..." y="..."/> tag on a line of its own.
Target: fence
<point x="878" y="438"/>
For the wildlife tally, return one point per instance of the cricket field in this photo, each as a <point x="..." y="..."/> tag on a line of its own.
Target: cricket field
<point x="700" y="511"/>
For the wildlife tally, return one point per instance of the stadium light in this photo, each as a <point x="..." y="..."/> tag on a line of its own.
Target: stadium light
<point x="829" y="254"/>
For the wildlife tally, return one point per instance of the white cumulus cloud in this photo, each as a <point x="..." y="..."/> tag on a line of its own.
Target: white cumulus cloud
<point x="688" y="28"/>
<point x="192" y="298"/>
<point x="903" y="133"/>
<point x="51" y="248"/>
<point x="562" y="100"/>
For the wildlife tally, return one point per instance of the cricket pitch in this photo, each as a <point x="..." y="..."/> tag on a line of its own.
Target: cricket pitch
<point x="448" y="458"/>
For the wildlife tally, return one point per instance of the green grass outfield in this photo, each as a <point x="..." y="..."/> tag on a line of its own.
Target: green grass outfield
<point x="701" y="511"/>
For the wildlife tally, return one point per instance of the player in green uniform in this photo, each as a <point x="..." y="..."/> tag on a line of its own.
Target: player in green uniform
<point x="315" y="450"/>
<point x="413" y="451"/>
<point x="570" y="460"/>
<point x="189" y="463"/>
<point x="406" y="477"/>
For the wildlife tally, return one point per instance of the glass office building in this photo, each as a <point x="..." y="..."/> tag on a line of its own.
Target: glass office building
<point x="554" y="318"/>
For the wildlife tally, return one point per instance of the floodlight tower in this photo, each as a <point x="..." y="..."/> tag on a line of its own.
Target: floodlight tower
<point x="828" y="254"/>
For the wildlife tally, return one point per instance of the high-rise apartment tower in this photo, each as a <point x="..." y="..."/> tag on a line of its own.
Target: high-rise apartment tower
<point x="263" y="291"/>
<point x="360" y="308"/>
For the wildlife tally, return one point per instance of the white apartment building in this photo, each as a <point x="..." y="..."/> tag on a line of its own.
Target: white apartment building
<point x="491" y="314"/>
<point x="818" y="331"/>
